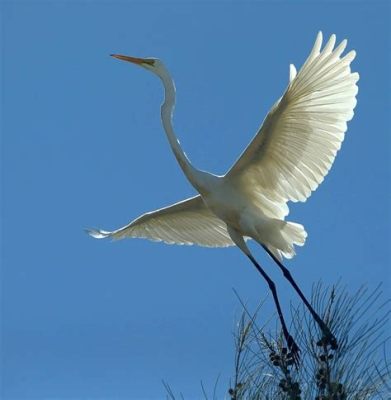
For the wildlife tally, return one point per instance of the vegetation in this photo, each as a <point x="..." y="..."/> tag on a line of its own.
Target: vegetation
<point x="354" y="368"/>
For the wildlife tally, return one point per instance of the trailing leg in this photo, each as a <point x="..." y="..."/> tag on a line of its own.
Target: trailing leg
<point x="325" y="330"/>
<point x="294" y="348"/>
<point x="239" y="241"/>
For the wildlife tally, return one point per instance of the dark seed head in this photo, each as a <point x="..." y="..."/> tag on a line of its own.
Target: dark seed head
<point x="333" y="343"/>
<point x="340" y="387"/>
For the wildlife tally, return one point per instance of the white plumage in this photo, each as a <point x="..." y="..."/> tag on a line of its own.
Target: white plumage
<point x="297" y="143"/>
<point x="186" y="222"/>
<point x="287" y="159"/>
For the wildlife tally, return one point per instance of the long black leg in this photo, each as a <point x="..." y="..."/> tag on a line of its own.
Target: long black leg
<point x="294" y="348"/>
<point x="325" y="330"/>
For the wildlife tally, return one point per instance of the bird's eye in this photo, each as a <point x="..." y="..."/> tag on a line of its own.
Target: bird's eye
<point x="149" y="61"/>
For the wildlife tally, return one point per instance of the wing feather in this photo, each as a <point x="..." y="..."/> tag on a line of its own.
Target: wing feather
<point x="297" y="143"/>
<point x="186" y="222"/>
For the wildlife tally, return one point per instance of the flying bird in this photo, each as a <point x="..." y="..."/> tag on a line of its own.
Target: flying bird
<point x="287" y="159"/>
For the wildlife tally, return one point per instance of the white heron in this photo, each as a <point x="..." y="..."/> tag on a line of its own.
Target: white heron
<point x="286" y="160"/>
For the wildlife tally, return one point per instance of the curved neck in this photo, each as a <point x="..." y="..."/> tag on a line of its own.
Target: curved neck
<point x="167" y="110"/>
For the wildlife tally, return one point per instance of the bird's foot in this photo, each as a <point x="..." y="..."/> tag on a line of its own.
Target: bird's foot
<point x="286" y="356"/>
<point x="328" y="339"/>
<point x="294" y="354"/>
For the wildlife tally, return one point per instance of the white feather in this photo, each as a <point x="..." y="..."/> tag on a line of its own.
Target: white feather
<point x="295" y="147"/>
<point x="187" y="222"/>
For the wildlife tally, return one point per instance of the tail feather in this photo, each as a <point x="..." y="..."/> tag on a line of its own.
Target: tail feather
<point x="294" y="233"/>
<point x="290" y="234"/>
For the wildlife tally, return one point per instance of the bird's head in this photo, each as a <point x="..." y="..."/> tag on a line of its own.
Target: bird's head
<point x="152" y="64"/>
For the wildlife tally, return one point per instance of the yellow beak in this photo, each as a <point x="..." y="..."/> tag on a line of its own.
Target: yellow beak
<point x="133" y="60"/>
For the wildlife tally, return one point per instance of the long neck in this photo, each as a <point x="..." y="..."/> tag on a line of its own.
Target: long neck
<point x="167" y="109"/>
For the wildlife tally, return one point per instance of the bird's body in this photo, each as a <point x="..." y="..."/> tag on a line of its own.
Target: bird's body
<point x="225" y="199"/>
<point x="229" y="204"/>
<point x="287" y="159"/>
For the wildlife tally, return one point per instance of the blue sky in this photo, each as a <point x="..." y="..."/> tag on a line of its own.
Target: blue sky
<point x="82" y="146"/>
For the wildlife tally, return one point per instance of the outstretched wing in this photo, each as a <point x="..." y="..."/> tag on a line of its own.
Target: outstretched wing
<point x="186" y="222"/>
<point x="295" y="147"/>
